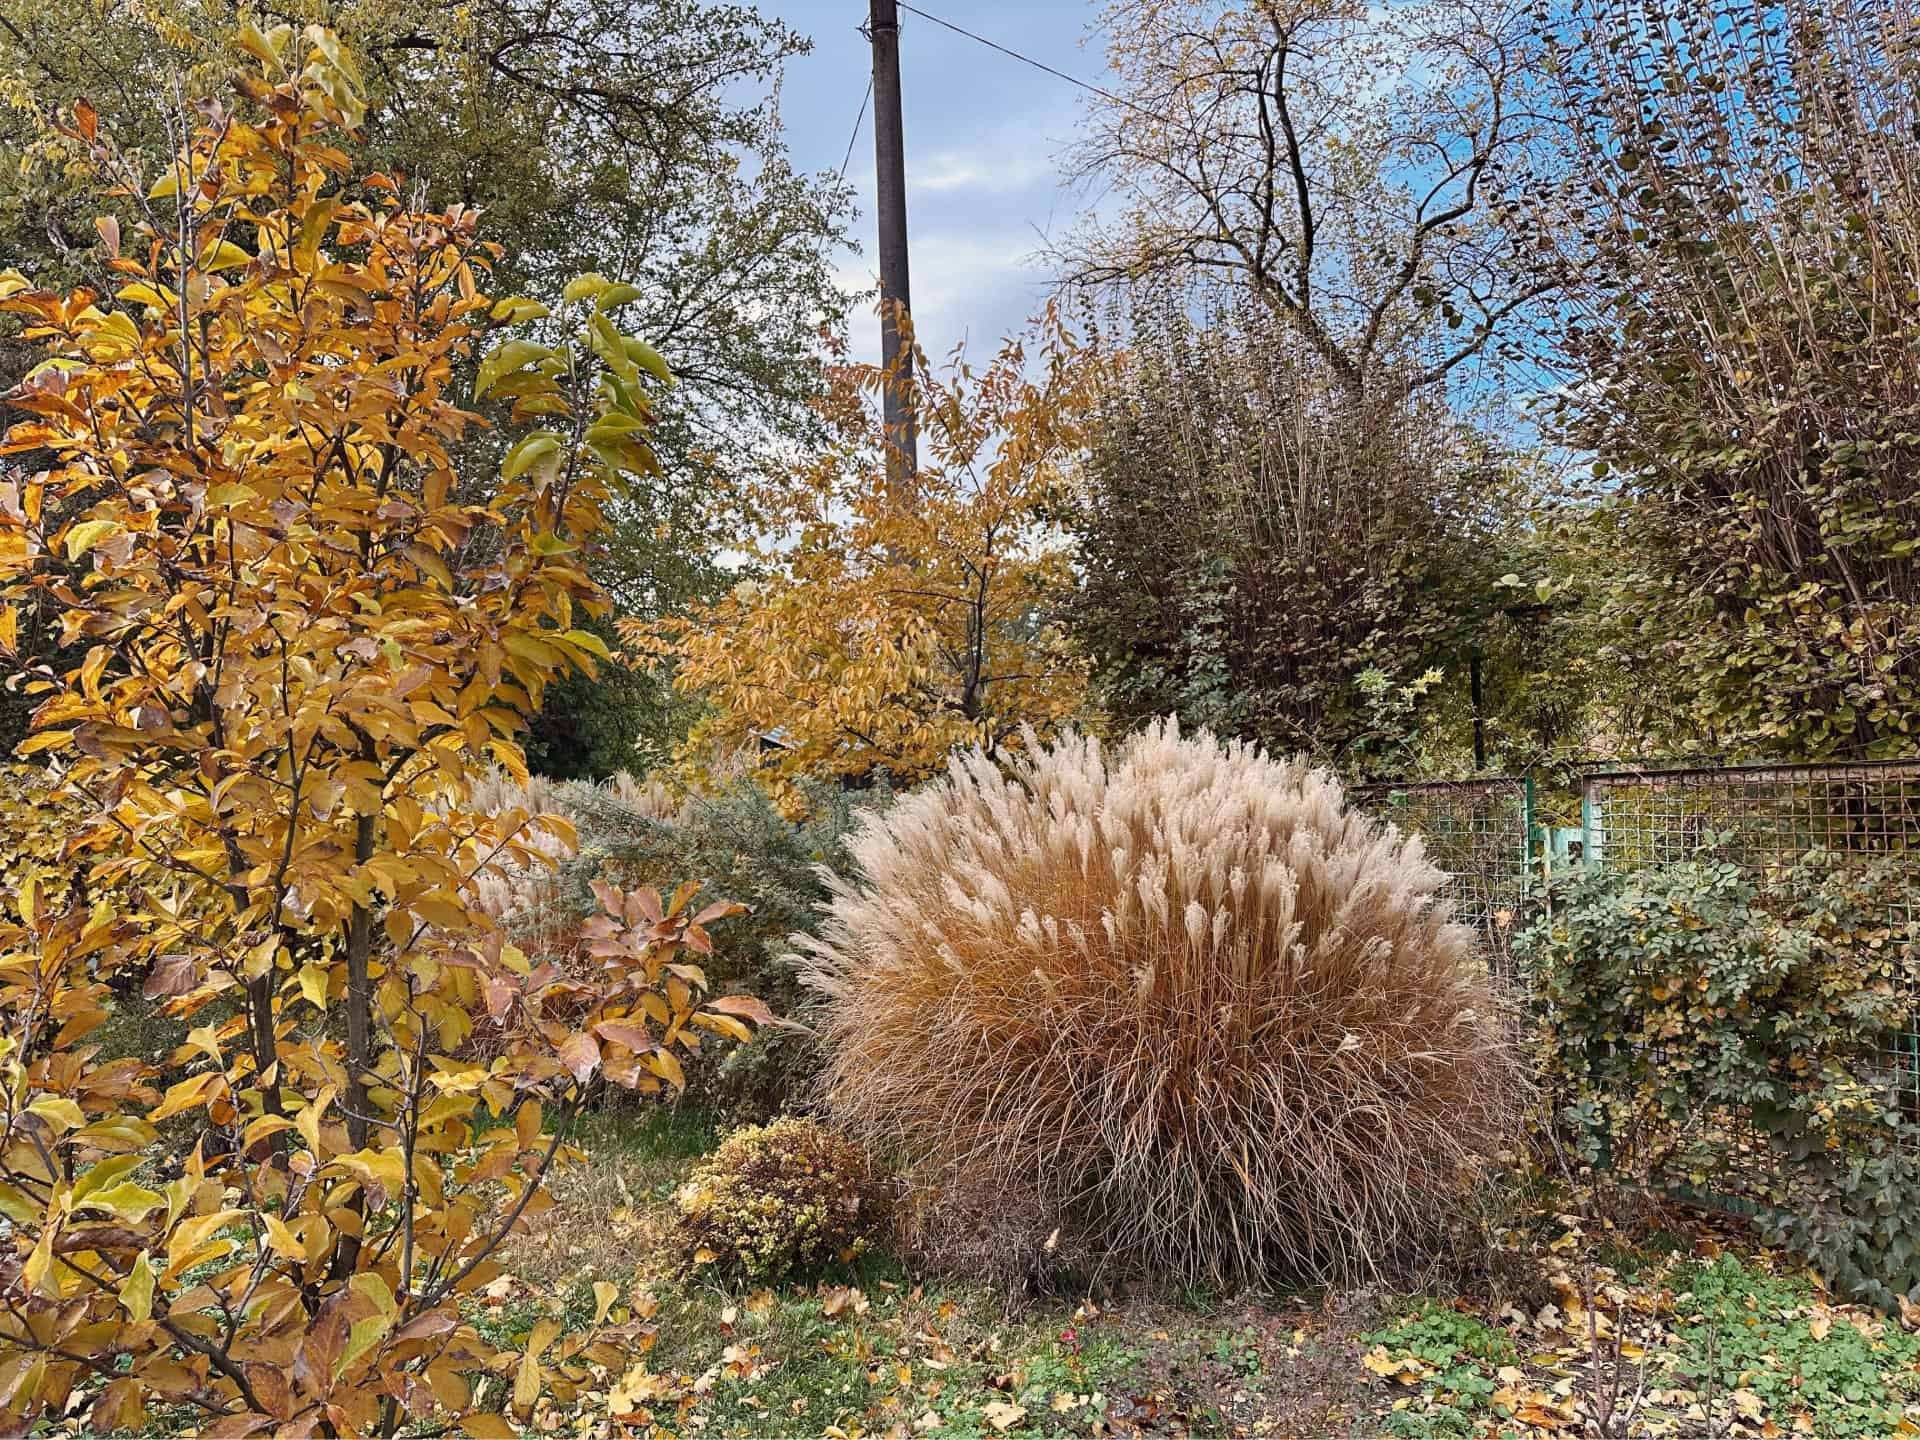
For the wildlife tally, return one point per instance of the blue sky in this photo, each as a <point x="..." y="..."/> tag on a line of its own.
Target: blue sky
<point x="984" y="136"/>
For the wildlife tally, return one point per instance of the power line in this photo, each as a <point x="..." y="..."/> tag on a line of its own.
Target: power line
<point x="857" y="121"/>
<point x="1086" y="85"/>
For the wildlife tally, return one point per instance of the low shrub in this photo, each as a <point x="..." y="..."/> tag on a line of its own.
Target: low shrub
<point x="738" y="844"/>
<point x="781" y="1200"/>
<point x="1747" y="1036"/>
<point x="1180" y="998"/>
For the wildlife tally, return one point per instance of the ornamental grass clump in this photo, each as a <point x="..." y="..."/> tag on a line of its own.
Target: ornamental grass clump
<point x="1215" y="1023"/>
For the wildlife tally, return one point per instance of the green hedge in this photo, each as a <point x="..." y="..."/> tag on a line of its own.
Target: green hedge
<point x="1749" y="1037"/>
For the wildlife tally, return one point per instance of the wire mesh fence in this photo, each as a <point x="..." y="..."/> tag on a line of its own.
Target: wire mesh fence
<point x="1478" y="832"/>
<point x="1756" y="815"/>
<point x="1766" y="819"/>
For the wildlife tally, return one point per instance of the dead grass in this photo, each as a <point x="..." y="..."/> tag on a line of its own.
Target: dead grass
<point x="1181" y="1001"/>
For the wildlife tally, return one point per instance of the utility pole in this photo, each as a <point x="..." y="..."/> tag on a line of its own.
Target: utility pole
<point x="890" y="164"/>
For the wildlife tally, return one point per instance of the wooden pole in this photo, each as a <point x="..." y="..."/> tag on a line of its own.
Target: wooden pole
<point x="889" y="147"/>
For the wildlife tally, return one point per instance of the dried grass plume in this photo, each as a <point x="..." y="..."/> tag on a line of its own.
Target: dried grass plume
<point x="1180" y="996"/>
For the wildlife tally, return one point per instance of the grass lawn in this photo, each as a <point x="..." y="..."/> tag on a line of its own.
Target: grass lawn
<point x="1670" y="1323"/>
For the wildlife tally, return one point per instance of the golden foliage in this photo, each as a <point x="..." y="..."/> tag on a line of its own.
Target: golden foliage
<point x="33" y="830"/>
<point x="304" y="638"/>
<point x="1204" y="1015"/>
<point x="889" y="622"/>
<point x="780" y="1199"/>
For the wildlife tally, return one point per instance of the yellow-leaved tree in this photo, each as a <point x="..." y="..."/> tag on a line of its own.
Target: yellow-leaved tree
<point x="890" y="621"/>
<point x="304" y="635"/>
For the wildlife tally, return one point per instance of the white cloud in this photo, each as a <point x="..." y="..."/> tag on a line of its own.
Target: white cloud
<point x="976" y="286"/>
<point x="990" y="170"/>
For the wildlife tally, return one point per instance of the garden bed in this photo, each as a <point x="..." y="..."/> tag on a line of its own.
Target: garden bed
<point x="1716" y="1336"/>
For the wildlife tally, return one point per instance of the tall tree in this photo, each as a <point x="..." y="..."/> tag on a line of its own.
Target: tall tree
<point x="1266" y="553"/>
<point x="1366" y="172"/>
<point x="1742" y="360"/>
<point x="894" y="619"/>
<point x="638" y="138"/>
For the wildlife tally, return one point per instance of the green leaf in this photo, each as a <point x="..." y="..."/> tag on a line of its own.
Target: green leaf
<point x="649" y="359"/>
<point x="516" y="309"/>
<point x="508" y="357"/>
<point x="610" y="346"/>
<point x="585" y="287"/>
<point x="528" y="453"/>
<point x="611" y="426"/>
<point x="615" y="296"/>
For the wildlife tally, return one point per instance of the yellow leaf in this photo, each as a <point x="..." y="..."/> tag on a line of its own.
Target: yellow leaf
<point x="184" y="1095"/>
<point x="516" y="308"/>
<point x="313" y="984"/>
<point x="1004" y="1415"/>
<point x="136" y="1291"/>
<point x="526" y="1381"/>
<point x="58" y="1111"/>
<point x="87" y="534"/>
<point x="39" y="1267"/>
<point x="223" y="255"/>
<point x="584" y="287"/>
<point x="127" y="1201"/>
<point x="142" y="294"/>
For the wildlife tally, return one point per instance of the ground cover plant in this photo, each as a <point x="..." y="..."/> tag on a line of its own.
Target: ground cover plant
<point x="1709" y="1028"/>
<point x="1178" y="1000"/>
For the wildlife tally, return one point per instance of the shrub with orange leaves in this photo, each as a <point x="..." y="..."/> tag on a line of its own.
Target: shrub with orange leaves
<point x="304" y="639"/>
<point x="894" y="619"/>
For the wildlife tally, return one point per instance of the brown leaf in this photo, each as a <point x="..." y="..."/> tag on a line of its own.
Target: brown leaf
<point x="320" y="1352"/>
<point x="745" y="1006"/>
<point x="269" y="1383"/>
<point x="171" y="975"/>
<point x="635" y="1036"/>
<point x="425" y="1327"/>
<point x="580" y="1053"/>
<point x="119" y="1408"/>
